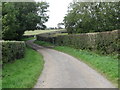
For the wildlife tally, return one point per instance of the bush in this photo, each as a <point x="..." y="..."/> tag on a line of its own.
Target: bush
<point x="12" y="50"/>
<point x="102" y="42"/>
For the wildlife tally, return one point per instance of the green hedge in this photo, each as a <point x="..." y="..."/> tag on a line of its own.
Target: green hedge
<point x="12" y="50"/>
<point x="102" y="42"/>
<point x="48" y="37"/>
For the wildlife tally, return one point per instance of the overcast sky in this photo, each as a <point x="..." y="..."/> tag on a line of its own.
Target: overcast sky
<point x="57" y="11"/>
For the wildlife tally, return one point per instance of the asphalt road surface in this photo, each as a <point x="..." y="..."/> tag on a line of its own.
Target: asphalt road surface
<point x="64" y="71"/>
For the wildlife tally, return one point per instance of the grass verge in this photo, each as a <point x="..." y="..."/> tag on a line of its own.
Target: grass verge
<point x="106" y="65"/>
<point x="42" y="43"/>
<point x="23" y="73"/>
<point x="26" y="39"/>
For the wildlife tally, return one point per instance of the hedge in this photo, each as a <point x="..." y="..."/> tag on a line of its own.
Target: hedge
<point x="12" y="50"/>
<point x="102" y="42"/>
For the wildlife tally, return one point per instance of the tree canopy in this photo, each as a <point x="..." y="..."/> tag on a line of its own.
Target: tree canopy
<point x="86" y="17"/>
<point x="18" y="17"/>
<point x="0" y="20"/>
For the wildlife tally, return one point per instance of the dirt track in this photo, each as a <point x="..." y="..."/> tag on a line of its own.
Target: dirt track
<point x="64" y="71"/>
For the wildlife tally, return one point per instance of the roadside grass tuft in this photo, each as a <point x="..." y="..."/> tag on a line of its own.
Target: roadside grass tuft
<point x="23" y="73"/>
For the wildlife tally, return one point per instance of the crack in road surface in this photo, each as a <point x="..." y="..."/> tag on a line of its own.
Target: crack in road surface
<point x="64" y="71"/>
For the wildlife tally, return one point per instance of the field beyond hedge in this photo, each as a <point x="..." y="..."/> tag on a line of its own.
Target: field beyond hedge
<point x="23" y="73"/>
<point x="36" y="32"/>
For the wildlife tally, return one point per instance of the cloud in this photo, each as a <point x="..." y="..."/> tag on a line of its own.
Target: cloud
<point x="58" y="9"/>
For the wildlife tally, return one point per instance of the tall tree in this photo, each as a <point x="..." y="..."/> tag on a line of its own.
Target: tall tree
<point x="21" y="16"/>
<point x="85" y="17"/>
<point x="0" y="20"/>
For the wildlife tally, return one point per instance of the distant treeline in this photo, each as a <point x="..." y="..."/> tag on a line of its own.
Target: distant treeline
<point x="84" y="17"/>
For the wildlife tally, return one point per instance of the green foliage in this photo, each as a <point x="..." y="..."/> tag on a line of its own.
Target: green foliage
<point x="46" y="37"/>
<point x="9" y="21"/>
<point x="28" y="38"/>
<point x="43" y="43"/>
<point x="101" y="42"/>
<point x="12" y="50"/>
<point x="20" y="16"/>
<point x="107" y="42"/>
<point x="84" y="17"/>
<point x="106" y="65"/>
<point x="0" y="21"/>
<point x="24" y="72"/>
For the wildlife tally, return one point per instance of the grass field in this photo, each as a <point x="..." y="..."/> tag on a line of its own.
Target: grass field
<point x="23" y="73"/>
<point x="35" y="32"/>
<point x="106" y="65"/>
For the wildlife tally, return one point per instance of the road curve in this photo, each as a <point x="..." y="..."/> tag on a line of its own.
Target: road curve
<point x="64" y="71"/>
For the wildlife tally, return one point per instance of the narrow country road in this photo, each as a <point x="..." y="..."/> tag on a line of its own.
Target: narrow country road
<point x="64" y="71"/>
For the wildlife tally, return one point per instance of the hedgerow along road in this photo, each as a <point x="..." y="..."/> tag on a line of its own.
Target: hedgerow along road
<point x="64" y="71"/>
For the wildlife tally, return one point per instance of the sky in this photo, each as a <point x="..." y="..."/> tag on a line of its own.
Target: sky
<point x="57" y="11"/>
